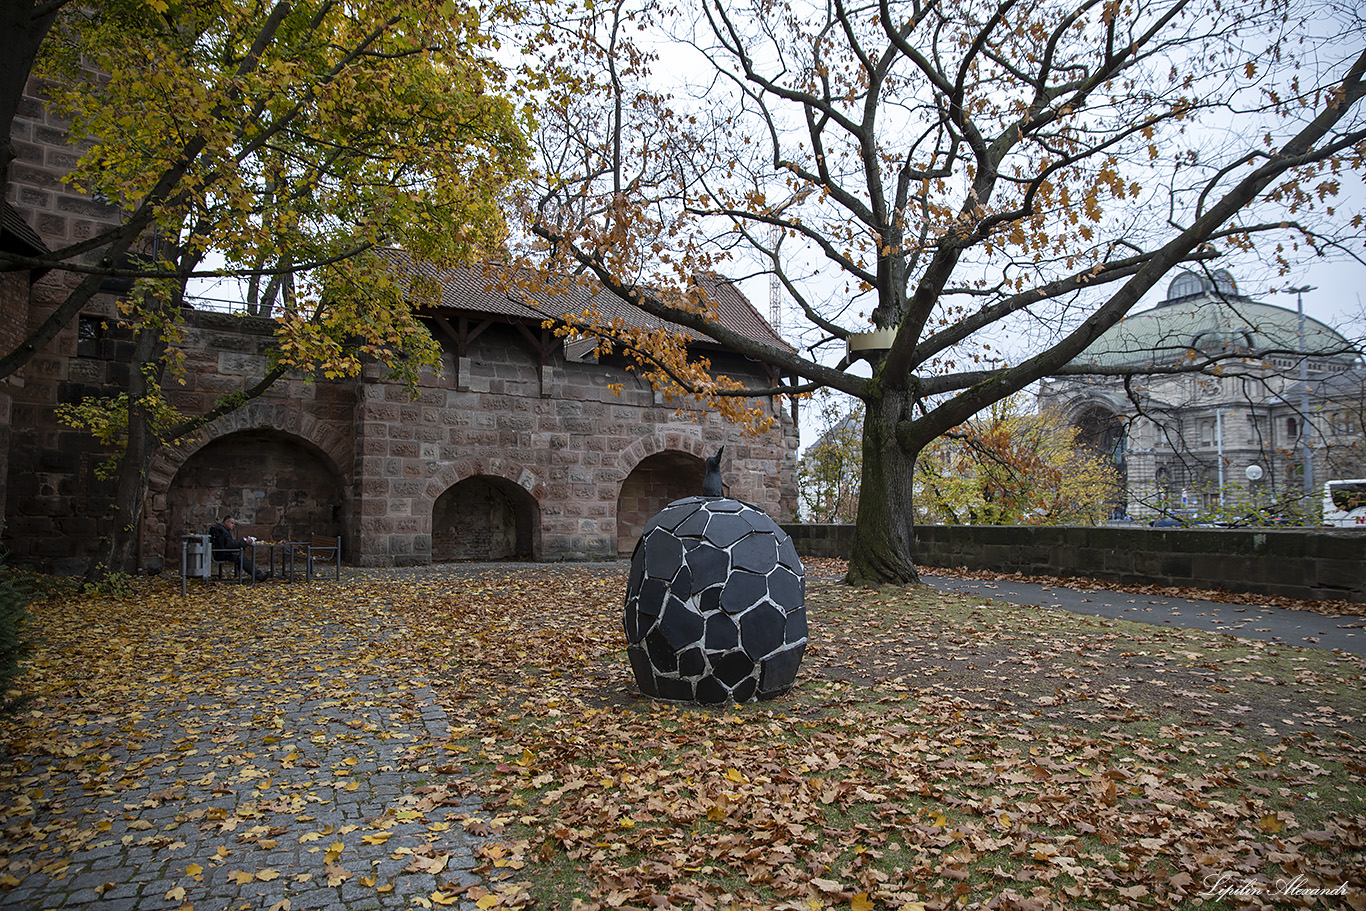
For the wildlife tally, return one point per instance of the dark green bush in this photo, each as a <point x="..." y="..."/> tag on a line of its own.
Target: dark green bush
<point x="15" y="594"/>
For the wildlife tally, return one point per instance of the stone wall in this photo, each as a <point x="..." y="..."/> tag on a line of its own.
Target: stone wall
<point x="559" y="432"/>
<point x="657" y="481"/>
<point x="1308" y="563"/>
<point x="358" y="458"/>
<point x="275" y="488"/>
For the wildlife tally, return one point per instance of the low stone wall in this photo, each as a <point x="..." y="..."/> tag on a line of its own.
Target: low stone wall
<point x="1307" y="563"/>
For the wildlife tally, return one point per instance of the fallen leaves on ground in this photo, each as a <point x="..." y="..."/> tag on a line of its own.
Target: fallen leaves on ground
<point x="937" y="752"/>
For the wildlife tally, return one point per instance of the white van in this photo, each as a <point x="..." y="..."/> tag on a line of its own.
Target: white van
<point x="1344" y="503"/>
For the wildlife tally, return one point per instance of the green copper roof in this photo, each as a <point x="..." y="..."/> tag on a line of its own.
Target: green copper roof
<point x="1211" y="321"/>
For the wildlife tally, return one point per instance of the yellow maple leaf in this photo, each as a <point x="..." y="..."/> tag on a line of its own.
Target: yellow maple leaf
<point x="193" y="870"/>
<point x="861" y="902"/>
<point x="241" y="877"/>
<point x="267" y="875"/>
<point x="378" y="838"/>
<point x="176" y="894"/>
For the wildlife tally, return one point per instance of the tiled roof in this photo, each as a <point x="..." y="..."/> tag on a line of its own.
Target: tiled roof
<point x="484" y="289"/>
<point x="15" y="231"/>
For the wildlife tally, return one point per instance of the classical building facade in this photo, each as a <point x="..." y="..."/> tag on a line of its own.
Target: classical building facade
<point x="1241" y="436"/>
<point x="521" y="447"/>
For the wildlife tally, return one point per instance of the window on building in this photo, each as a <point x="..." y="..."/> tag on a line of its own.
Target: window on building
<point x="89" y="336"/>
<point x="1184" y="285"/>
<point x="1292" y="428"/>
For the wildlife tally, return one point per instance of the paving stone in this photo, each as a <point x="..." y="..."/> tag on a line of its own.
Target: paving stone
<point x="183" y="779"/>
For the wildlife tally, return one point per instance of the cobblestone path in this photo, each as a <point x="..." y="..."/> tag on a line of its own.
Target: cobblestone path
<point x="242" y="748"/>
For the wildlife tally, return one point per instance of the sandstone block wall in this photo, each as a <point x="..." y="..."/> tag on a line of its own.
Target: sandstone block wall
<point x="557" y="433"/>
<point x="358" y="458"/>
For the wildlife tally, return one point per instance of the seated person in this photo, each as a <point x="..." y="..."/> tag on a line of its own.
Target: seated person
<point x="227" y="547"/>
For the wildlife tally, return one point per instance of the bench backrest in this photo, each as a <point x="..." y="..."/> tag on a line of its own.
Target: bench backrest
<point x="324" y="550"/>
<point x="323" y="547"/>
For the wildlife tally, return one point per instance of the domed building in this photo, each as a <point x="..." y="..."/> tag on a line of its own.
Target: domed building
<point x="1233" y="434"/>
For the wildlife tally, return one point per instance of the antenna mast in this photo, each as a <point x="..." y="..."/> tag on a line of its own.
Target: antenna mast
<point x="775" y="285"/>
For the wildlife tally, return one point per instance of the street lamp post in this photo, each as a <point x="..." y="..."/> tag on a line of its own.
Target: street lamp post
<point x="1304" y="390"/>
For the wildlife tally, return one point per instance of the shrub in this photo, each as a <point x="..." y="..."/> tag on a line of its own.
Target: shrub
<point x="15" y="595"/>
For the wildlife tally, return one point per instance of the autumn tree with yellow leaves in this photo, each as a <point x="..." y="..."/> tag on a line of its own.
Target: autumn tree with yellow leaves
<point x="287" y="144"/>
<point x="1011" y="466"/>
<point x="963" y="194"/>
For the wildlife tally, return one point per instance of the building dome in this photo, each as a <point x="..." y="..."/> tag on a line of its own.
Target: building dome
<point x="1205" y="315"/>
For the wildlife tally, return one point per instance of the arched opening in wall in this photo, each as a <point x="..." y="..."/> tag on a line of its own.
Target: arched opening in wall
<point x="279" y="487"/>
<point x="655" y="483"/>
<point x="1102" y="431"/>
<point x="485" y="518"/>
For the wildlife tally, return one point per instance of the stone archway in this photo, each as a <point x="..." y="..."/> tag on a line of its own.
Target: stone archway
<point x="485" y="517"/>
<point x="278" y="486"/>
<point x="1101" y="430"/>
<point x="656" y="481"/>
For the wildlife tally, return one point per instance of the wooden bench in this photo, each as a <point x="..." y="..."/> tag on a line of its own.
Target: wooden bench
<point x="324" y="551"/>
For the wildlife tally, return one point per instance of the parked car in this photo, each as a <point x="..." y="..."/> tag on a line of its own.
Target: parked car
<point x="1181" y="519"/>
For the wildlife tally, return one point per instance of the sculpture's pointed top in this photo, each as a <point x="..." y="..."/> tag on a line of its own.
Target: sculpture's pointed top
<point x="711" y="484"/>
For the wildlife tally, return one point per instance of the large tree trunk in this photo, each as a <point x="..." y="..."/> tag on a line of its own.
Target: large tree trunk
<point x="884" y="535"/>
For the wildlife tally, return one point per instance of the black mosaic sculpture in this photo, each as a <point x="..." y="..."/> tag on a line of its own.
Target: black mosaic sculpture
<point x="716" y="603"/>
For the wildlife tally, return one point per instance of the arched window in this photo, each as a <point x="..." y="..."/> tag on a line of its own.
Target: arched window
<point x="1184" y="285"/>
